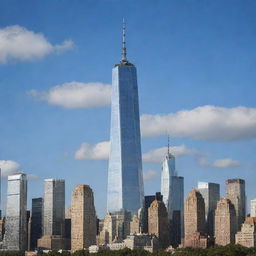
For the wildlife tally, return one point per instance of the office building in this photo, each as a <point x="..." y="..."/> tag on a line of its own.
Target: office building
<point x="16" y="213"/>
<point x="158" y="223"/>
<point x="211" y="195"/>
<point x="125" y="183"/>
<point x="53" y="215"/>
<point x="83" y="218"/>
<point x="253" y="208"/>
<point x="247" y="236"/>
<point x="194" y="220"/>
<point x="172" y="189"/>
<point x="235" y="192"/>
<point x="225" y="220"/>
<point x="36" y="222"/>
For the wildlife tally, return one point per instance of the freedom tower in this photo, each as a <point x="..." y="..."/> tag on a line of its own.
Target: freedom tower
<point x="125" y="182"/>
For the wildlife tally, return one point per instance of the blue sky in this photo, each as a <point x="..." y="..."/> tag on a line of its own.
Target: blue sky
<point x="196" y="76"/>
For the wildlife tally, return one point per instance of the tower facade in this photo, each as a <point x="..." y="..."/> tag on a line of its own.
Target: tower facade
<point x="54" y="207"/>
<point x="253" y="208"/>
<point x="194" y="216"/>
<point x="125" y="183"/>
<point x="16" y="213"/>
<point x="235" y="192"/>
<point x="83" y="218"/>
<point x="158" y="223"/>
<point x="211" y="195"/>
<point x="225" y="219"/>
<point x="36" y="221"/>
<point x="172" y="189"/>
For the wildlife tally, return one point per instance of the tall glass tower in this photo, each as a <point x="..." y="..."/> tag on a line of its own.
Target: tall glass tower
<point x="125" y="183"/>
<point x="172" y="189"/>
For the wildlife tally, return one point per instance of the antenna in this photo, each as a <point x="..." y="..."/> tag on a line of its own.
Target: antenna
<point x="124" y="59"/>
<point x="168" y="145"/>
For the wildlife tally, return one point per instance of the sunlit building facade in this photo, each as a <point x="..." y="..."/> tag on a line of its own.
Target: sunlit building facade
<point x="125" y="183"/>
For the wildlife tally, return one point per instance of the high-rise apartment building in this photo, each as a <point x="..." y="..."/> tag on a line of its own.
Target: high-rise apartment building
<point x="53" y="215"/>
<point x="125" y="182"/>
<point x="36" y="222"/>
<point x="16" y="213"/>
<point x="253" y="208"/>
<point x="172" y="189"/>
<point x="194" y="220"/>
<point x="83" y="218"/>
<point x="235" y="191"/>
<point x="211" y="195"/>
<point x="225" y="220"/>
<point x="158" y="223"/>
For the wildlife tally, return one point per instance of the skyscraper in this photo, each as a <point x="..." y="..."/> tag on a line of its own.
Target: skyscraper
<point x="125" y="183"/>
<point x="36" y="221"/>
<point x="225" y="219"/>
<point x="172" y="189"/>
<point x="53" y="215"/>
<point x="194" y="220"/>
<point x="253" y="208"/>
<point x="16" y="213"/>
<point x="211" y="195"/>
<point x="158" y="223"/>
<point x="83" y="218"/>
<point x="235" y="191"/>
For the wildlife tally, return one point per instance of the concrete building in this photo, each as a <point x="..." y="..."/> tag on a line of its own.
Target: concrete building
<point x="172" y="189"/>
<point x="83" y="218"/>
<point x="135" y="225"/>
<point x="211" y="195"/>
<point x="158" y="223"/>
<point x="125" y="182"/>
<point x="247" y="236"/>
<point x="253" y="208"/>
<point x="116" y="227"/>
<point x="36" y="222"/>
<point x="235" y="192"/>
<point x="16" y="213"/>
<point x="54" y="216"/>
<point x="225" y="220"/>
<point x="147" y="202"/>
<point x="194" y="219"/>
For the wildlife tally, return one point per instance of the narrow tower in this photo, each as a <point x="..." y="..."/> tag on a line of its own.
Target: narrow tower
<point x="125" y="183"/>
<point x="172" y="189"/>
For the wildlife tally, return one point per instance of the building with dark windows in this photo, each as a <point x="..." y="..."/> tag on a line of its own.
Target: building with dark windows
<point x="16" y="213"/>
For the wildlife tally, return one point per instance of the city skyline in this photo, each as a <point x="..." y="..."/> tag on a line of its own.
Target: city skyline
<point x="69" y="135"/>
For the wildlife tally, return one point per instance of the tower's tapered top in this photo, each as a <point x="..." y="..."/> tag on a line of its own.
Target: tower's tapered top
<point x="124" y="60"/>
<point x="169" y="154"/>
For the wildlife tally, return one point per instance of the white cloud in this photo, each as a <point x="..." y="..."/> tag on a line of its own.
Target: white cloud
<point x="76" y="95"/>
<point x="205" y="123"/>
<point x="149" y="175"/>
<point x="32" y="177"/>
<point x="219" y="163"/>
<point x="157" y="155"/>
<point x="8" y="167"/>
<point x="19" y="43"/>
<point x="100" y="151"/>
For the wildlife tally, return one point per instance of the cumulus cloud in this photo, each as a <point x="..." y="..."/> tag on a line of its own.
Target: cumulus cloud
<point x="8" y="167"/>
<point x="204" y="123"/>
<point x="219" y="163"/>
<point x="76" y="95"/>
<point x="157" y="155"/>
<point x="99" y="151"/>
<point x="149" y="175"/>
<point x="19" y="43"/>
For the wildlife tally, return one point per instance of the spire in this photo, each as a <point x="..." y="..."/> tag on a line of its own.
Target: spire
<point x="168" y="146"/>
<point x="124" y="59"/>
